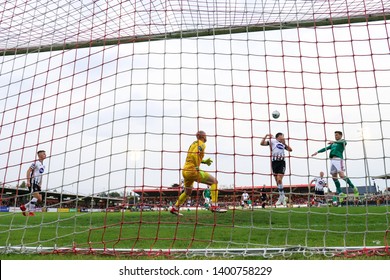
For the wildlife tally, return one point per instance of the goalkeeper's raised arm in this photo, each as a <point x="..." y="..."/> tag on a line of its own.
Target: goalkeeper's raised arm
<point x="208" y="161"/>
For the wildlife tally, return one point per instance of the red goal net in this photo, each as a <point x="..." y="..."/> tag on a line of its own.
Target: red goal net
<point x="116" y="92"/>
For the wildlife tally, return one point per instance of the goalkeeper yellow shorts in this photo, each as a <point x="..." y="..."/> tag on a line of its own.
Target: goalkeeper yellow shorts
<point x="191" y="176"/>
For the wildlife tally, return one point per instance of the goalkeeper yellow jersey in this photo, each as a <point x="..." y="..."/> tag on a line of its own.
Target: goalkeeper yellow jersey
<point x="195" y="155"/>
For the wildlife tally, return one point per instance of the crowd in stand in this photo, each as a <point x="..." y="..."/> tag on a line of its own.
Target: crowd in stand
<point x="226" y="200"/>
<point x="293" y="199"/>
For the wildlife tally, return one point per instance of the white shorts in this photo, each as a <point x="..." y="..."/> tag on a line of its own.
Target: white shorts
<point x="207" y="200"/>
<point x="336" y="165"/>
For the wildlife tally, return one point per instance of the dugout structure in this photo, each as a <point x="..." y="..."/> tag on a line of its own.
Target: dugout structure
<point x="115" y="92"/>
<point x="228" y="197"/>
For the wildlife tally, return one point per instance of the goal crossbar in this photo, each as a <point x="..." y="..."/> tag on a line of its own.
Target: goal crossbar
<point x="195" y="34"/>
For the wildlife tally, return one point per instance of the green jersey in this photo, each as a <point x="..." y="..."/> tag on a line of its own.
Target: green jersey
<point x="207" y="193"/>
<point x="336" y="149"/>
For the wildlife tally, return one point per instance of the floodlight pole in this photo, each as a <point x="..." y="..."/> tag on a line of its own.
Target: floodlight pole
<point x="135" y="180"/>
<point x="135" y="155"/>
<point x="367" y="170"/>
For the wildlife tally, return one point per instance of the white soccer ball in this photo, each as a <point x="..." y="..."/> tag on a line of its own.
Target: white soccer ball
<point x="275" y="114"/>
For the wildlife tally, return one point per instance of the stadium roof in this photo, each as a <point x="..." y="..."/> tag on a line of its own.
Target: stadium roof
<point x="384" y="176"/>
<point x="8" y="192"/>
<point x="174" y="191"/>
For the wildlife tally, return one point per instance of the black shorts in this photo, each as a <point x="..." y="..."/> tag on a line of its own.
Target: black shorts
<point x="319" y="192"/>
<point x="34" y="188"/>
<point x="263" y="198"/>
<point x="278" y="167"/>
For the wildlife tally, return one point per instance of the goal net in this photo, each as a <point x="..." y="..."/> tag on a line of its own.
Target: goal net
<point x="115" y="91"/>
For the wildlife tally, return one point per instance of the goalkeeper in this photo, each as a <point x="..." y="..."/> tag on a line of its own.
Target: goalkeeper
<point x="192" y="173"/>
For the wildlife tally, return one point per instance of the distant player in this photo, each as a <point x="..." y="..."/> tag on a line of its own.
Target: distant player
<point x="337" y="163"/>
<point x="250" y="203"/>
<point x="320" y="184"/>
<point x="244" y="200"/>
<point x="34" y="183"/>
<point x="278" y="146"/>
<point x="264" y="198"/>
<point x="207" y="197"/>
<point x="192" y="173"/>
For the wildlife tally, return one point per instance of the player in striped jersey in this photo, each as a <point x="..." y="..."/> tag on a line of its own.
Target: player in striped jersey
<point x="278" y="146"/>
<point x="244" y="200"/>
<point x="320" y="184"/>
<point x="34" y="183"/>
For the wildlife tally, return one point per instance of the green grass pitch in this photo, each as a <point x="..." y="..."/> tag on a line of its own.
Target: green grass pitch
<point x="260" y="228"/>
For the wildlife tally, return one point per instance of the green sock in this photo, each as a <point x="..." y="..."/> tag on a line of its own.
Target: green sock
<point x="338" y="187"/>
<point x="346" y="179"/>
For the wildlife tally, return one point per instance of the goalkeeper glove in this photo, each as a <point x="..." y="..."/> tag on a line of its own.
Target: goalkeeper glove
<point x="208" y="161"/>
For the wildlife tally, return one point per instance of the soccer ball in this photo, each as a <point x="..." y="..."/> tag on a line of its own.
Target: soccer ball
<point x="275" y="114"/>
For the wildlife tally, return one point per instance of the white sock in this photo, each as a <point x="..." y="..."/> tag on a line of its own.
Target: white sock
<point x="31" y="207"/>
<point x="31" y="204"/>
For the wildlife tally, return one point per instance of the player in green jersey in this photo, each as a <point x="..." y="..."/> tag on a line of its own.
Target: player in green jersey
<point x="207" y="197"/>
<point x="337" y="163"/>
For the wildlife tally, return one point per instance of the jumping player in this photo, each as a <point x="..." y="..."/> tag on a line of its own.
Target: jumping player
<point x="337" y="163"/>
<point x="278" y="146"/>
